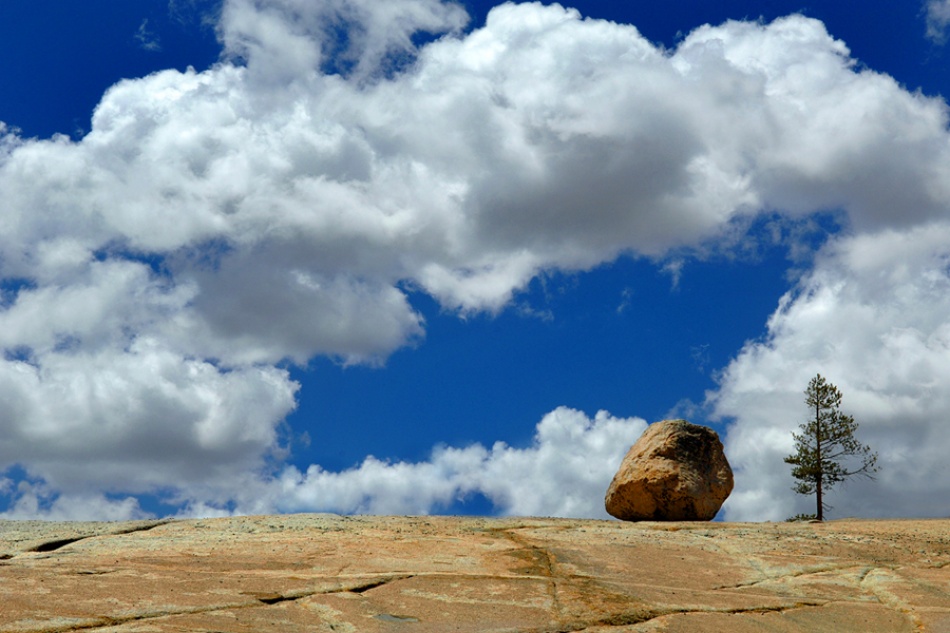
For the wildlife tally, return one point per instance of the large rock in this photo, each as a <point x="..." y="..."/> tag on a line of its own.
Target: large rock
<point x="320" y="573"/>
<point x="676" y="471"/>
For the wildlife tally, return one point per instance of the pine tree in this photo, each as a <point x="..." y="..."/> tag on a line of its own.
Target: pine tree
<point x="826" y="441"/>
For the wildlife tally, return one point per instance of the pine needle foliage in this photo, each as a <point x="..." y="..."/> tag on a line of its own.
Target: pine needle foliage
<point x="826" y="451"/>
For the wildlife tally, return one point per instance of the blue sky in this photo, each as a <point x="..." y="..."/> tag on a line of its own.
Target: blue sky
<point x="350" y="257"/>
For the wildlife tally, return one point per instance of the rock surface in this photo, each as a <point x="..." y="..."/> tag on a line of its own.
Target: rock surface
<point x="375" y="574"/>
<point x="676" y="471"/>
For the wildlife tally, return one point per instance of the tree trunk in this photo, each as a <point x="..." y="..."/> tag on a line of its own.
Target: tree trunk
<point x="818" y="435"/>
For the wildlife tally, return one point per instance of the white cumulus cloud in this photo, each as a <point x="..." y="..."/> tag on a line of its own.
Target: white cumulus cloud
<point x="874" y="319"/>
<point x="565" y="472"/>
<point x="139" y="419"/>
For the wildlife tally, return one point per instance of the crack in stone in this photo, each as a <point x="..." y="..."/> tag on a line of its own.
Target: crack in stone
<point x="255" y="601"/>
<point x="768" y="609"/>
<point x="278" y="598"/>
<point x="888" y="599"/>
<point x="371" y="585"/>
<point x="547" y="566"/>
<point x="57" y="544"/>
<point x="648" y="615"/>
<point x="142" y="528"/>
<point x="768" y="576"/>
<point x="864" y="574"/>
<point x="52" y="546"/>
<point x="101" y="622"/>
<point x="765" y="572"/>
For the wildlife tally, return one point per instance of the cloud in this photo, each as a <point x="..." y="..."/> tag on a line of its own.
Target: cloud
<point x="872" y="317"/>
<point x="138" y="419"/>
<point x="288" y="38"/>
<point x="38" y="500"/>
<point x="938" y="19"/>
<point x="147" y="39"/>
<point x="565" y="472"/>
<point x="287" y="203"/>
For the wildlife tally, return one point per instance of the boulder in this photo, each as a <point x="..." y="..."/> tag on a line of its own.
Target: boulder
<point x="676" y="471"/>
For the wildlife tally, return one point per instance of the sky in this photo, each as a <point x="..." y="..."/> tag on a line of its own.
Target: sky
<point x="420" y="257"/>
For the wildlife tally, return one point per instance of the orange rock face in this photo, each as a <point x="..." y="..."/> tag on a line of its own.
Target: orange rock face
<point x="320" y="573"/>
<point x="676" y="471"/>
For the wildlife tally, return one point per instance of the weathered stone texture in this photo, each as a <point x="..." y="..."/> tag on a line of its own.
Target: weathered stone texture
<point x="320" y="573"/>
<point x="676" y="471"/>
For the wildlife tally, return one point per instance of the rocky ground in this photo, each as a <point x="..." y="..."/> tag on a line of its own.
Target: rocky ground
<point x="329" y="573"/>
